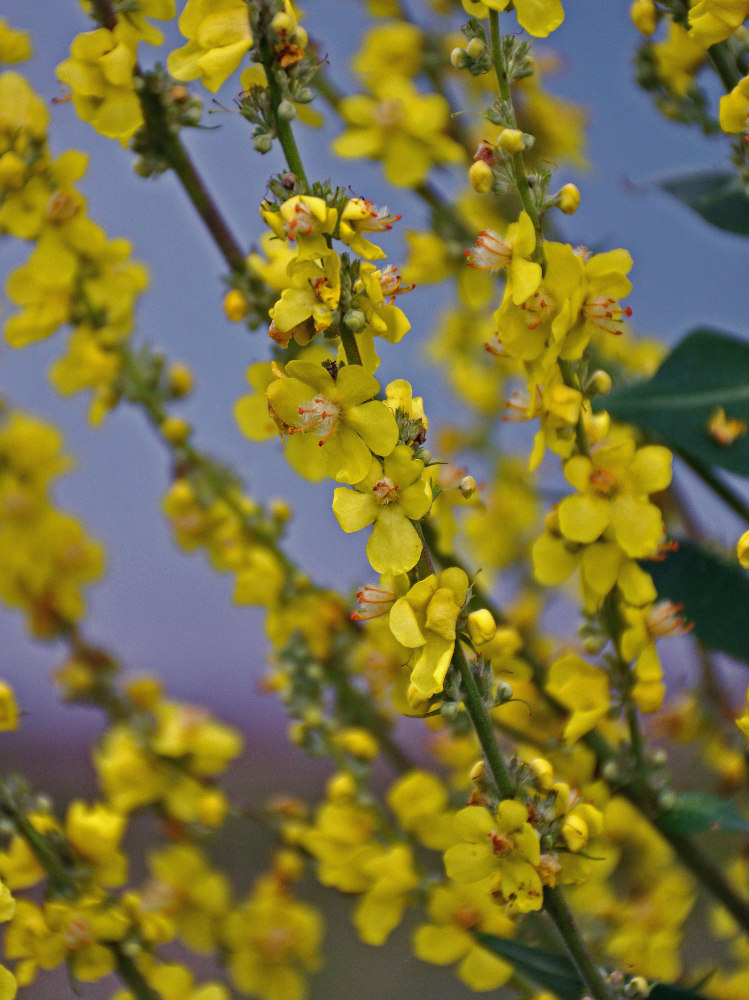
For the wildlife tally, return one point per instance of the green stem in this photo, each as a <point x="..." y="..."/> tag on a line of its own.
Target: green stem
<point x="169" y="146"/>
<point x="282" y="126"/>
<point x="131" y="975"/>
<point x="556" y="906"/>
<point x="518" y="164"/>
<point x="725" y="65"/>
<point x="570" y="379"/>
<point x="483" y="725"/>
<point x="350" y="346"/>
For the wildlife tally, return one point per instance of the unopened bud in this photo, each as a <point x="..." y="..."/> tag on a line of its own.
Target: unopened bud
<point x="478" y="771"/>
<point x="262" y="142"/>
<point x="476" y="48"/>
<point x="286" y="111"/>
<point x="667" y="799"/>
<point x="175" y="430"/>
<point x="355" y="320"/>
<point x="459" y="58"/>
<point x="511" y="140"/>
<point x="481" y="177"/>
<point x="180" y="380"/>
<point x="300" y="37"/>
<point x="575" y="832"/>
<point x="504" y="693"/>
<point x="569" y="199"/>
<point x="644" y="16"/>
<point x="481" y="626"/>
<point x="341" y="786"/>
<point x="742" y="550"/>
<point x="467" y="486"/>
<point x="235" y="305"/>
<point x="599" y="383"/>
<point x="304" y="95"/>
<point x="282" y="23"/>
<point x="543" y="772"/>
<point x="280" y="510"/>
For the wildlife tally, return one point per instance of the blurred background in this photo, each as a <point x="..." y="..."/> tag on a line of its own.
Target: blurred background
<point x="163" y="611"/>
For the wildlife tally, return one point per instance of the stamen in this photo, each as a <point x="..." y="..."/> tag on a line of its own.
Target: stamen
<point x="606" y="313"/>
<point x="318" y="415"/>
<point x="385" y="491"/>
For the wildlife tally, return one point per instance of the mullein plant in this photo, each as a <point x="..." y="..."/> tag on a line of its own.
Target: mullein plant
<point x="539" y="844"/>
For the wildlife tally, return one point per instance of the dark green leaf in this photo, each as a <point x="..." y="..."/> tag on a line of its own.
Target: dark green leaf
<point x="665" y="992"/>
<point x="707" y="370"/>
<point x="695" y="812"/>
<point x="713" y="591"/>
<point x="718" y="196"/>
<point x="548" y="969"/>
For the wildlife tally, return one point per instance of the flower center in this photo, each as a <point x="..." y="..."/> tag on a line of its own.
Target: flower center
<point x="374" y="603"/>
<point x="318" y="415"/>
<point x="605" y="313"/>
<point x="302" y="222"/>
<point x="538" y="308"/>
<point x="390" y="113"/>
<point x="501" y="845"/>
<point x="490" y="252"/>
<point x="78" y="934"/>
<point x="385" y="491"/>
<point x="603" y="482"/>
<point x="275" y="944"/>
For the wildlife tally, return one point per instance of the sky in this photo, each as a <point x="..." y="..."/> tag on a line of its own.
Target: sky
<point x="161" y="610"/>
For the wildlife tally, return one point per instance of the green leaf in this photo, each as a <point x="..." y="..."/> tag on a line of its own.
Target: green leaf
<point x="548" y="969"/>
<point x="707" y="370"/>
<point x="714" y="594"/>
<point x="695" y="812"/>
<point x="662" y="991"/>
<point x="718" y="196"/>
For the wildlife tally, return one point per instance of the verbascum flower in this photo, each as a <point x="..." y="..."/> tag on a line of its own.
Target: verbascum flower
<point x="538" y="17"/>
<point x="401" y="127"/>
<point x="583" y="690"/>
<point x="219" y="35"/>
<point x="100" y="74"/>
<point x="425" y="619"/>
<point x="333" y="424"/>
<point x="390" y="498"/>
<point x="500" y="845"/>
<point x="712" y="21"/>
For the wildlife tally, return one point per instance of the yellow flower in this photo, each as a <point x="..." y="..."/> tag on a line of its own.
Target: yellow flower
<point x="8" y="708"/>
<point x="219" y="35"/>
<point x="401" y="127"/>
<point x="100" y="74"/>
<point x="455" y="912"/>
<point x="272" y="941"/>
<point x="303" y="220"/>
<point x="389" y="498"/>
<point x="734" y="108"/>
<point x="538" y="17"/>
<point x="613" y="485"/>
<point x="712" y="21"/>
<point x="334" y="424"/>
<point x="15" y="46"/>
<point x="581" y="688"/>
<point x="494" y="252"/>
<point x="425" y="619"/>
<point x="501" y="846"/>
<point x="307" y="306"/>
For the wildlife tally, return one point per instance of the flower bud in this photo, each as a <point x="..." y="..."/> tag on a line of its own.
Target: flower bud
<point x="543" y="772"/>
<point x="481" y="626"/>
<point x="459" y="58"/>
<point x="503" y="694"/>
<point x="355" y="320"/>
<point x="286" y="111"/>
<point x="478" y="771"/>
<point x="418" y="704"/>
<point x="235" y="305"/>
<point x="467" y="486"/>
<point x="476" y="48"/>
<point x="282" y="23"/>
<point x="180" y="380"/>
<point x="262" y="142"/>
<point x="569" y="199"/>
<point x="599" y="383"/>
<point x="341" y="786"/>
<point x="212" y="808"/>
<point x="575" y="832"/>
<point x="300" y="37"/>
<point x="175" y="430"/>
<point x="481" y="177"/>
<point x="511" y="140"/>
<point x="360" y="743"/>
<point x="280" y="510"/>
<point x="742" y="550"/>
<point x="304" y="95"/>
<point x="644" y="16"/>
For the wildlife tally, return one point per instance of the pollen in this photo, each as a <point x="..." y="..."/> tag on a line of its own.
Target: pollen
<point x="604" y="482"/>
<point x="606" y="313"/>
<point x="320" y="416"/>
<point x="385" y="491"/>
<point x="490" y="252"/>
